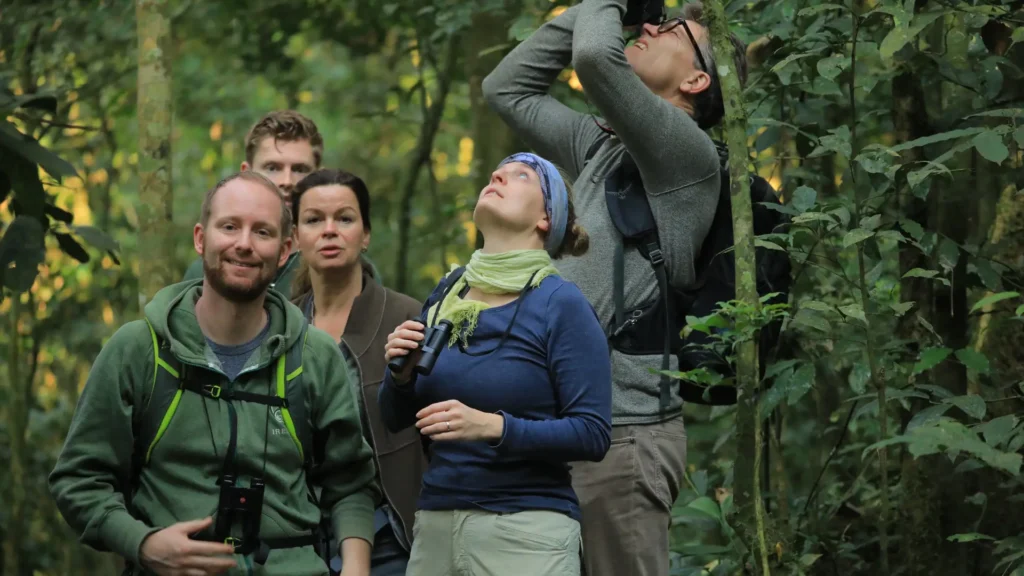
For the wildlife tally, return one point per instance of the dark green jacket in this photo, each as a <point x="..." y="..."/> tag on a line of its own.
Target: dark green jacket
<point x="178" y="483"/>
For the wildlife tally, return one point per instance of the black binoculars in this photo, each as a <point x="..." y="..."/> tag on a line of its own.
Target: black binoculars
<point x="426" y="353"/>
<point x="246" y="503"/>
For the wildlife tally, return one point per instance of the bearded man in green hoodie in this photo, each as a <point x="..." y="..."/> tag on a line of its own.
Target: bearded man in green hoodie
<point x="195" y="447"/>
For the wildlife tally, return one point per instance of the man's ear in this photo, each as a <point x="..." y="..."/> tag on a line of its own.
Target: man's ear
<point x="197" y="238"/>
<point x="286" y="251"/>
<point x="698" y="82"/>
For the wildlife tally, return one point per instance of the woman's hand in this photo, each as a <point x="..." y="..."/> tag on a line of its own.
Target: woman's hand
<point x="405" y="338"/>
<point x="401" y="342"/>
<point x="453" y="420"/>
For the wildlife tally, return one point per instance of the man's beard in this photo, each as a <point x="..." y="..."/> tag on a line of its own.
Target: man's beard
<point x="217" y="279"/>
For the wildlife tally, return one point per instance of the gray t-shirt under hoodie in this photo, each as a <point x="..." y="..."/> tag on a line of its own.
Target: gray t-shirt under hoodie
<point x="677" y="161"/>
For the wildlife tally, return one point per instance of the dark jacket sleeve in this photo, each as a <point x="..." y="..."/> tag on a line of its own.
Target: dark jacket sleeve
<point x="579" y="363"/>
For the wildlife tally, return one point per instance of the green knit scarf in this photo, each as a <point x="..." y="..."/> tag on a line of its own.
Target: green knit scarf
<point x="504" y="273"/>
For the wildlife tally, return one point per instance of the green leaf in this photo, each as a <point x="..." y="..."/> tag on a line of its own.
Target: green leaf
<point x="812" y="320"/>
<point x="915" y="230"/>
<point x="818" y="306"/>
<point x="859" y="377"/>
<point x="29" y="149"/>
<point x="856" y="235"/>
<point x="800" y="383"/>
<point x="768" y="245"/>
<point x="1019" y="311"/>
<point x="1018" y="134"/>
<point x="854" y="311"/>
<point x="871" y="222"/>
<point x="812" y="10"/>
<point x="96" y="237"/>
<point x="901" y="308"/>
<point x="71" y="247"/>
<point x="838" y="141"/>
<point x="833" y="65"/>
<point x="28" y="189"/>
<point x="700" y="482"/>
<point x="968" y="537"/>
<point x="928" y="416"/>
<point x="951" y="435"/>
<point x="896" y="38"/>
<point x="990" y="145"/>
<point x="803" y="199"/>
<point x="813" y="217"/>
<point x="58" y="213"/>
<point x="789" y="60"/>
<point x="998" y="430"/>
<point x="973" y="359"/>
<point x="21" y="252"/>
<point x="992" y="299"/>
<point x="930" y="358"/>
<point x="1002" y="112"/>
<point x="972" y="405"/>
<point x="707" y="506"/>
<point x="935" y="138"/>
<point x="921" y="273"/>
<point x="808" y="559"/>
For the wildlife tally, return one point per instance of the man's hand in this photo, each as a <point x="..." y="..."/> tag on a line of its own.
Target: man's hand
<point x="170" y="552"/>
<point x="643" y="11"/>
<point x="453" y="420"/>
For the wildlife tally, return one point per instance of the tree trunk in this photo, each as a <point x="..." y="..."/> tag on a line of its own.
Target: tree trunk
<point x="919" y="511"/>
<point x="750" y="444"/>
<point x="17" y="419"/>
<point x="493" y="140"/>
<point x="420" y="157"/>
<point x="156" y="229"/>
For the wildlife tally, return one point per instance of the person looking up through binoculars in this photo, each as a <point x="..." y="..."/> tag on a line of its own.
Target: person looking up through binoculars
<point x="654" y="97"/>
<point x="514" y="385"/>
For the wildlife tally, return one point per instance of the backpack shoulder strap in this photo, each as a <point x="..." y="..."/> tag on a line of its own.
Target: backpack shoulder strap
<point x="160" y="404"/>
<point x="295" y="412"/>
<point x="592" y="150"/>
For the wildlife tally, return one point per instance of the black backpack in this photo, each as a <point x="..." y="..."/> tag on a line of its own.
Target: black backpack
<point x="655" y="327"/>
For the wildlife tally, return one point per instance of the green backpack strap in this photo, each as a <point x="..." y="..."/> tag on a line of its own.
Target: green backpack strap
<point x="290" y="386"/>
<point x="159" y="406"/>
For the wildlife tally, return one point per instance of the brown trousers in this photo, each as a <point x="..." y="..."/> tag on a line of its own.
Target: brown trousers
<point x="627" y="499"/>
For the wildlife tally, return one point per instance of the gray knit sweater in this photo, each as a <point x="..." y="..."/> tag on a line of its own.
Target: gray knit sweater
<point x="677" y="160"/>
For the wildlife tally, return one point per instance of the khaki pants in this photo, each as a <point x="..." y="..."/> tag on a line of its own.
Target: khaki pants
<point x="477" y="543"/>
<point x="627" y="499"/>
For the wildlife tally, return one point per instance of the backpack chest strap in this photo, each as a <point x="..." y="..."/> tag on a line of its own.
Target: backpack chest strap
<point x="218" y="392"/>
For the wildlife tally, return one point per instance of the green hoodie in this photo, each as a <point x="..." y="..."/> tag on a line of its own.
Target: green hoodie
<point x="178" y="483"/>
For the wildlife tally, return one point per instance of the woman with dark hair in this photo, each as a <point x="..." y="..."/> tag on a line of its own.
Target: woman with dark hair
<point x="336" y="289"/>
<point x="520" y="389"/>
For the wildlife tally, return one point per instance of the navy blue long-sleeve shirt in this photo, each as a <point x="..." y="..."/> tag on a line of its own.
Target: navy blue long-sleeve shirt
<point x="550" y="380"/>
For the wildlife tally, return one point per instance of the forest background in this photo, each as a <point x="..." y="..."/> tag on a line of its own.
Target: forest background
<point x="892" y="430"/>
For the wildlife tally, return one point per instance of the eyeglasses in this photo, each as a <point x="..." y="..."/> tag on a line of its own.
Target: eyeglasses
<point x="670" y="24"/>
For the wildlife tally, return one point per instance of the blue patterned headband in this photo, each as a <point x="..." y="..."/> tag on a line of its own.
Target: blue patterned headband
<point x="556" y="197"/>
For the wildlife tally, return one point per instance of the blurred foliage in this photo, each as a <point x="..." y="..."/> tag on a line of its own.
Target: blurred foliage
<point x="890" y="128"/>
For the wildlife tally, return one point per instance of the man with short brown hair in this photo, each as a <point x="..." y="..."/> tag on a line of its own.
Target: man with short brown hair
<point x="284" y="146"/>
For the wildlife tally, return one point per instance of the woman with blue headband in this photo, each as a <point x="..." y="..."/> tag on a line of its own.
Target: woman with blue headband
<point x="520" y="389"/>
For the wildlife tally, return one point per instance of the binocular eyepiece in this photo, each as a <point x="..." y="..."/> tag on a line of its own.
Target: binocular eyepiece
<point x="425" y="355"/>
